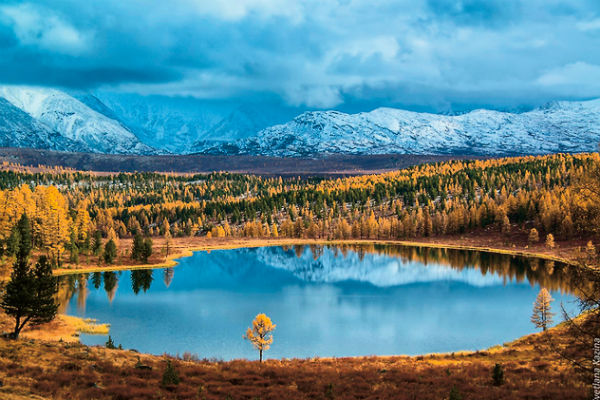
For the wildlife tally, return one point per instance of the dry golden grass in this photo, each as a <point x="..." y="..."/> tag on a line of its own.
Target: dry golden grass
<point x="87" y="325"/>
<point x="64" y="328"/>
<point x="73" y="371"/>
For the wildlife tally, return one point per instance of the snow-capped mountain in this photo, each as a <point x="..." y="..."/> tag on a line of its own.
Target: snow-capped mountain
<point x="104" y="122"/>
<point x="79" y="127"/>
<point x="19" y="129"/>
<point x="559" y="127"/>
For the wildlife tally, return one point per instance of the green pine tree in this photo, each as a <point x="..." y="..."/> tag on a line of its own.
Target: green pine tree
<point x="146" y="250"/>
<point x="498" y="374"/>
<point x="170" y="376"/>
<point x="137" y="248"/>
<point x="97" y="243"/>
<point x="110" y="252"/>
<point x="29" y="295"/>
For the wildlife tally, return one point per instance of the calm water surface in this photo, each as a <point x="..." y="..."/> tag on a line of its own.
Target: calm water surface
<point x="326" y="301"/>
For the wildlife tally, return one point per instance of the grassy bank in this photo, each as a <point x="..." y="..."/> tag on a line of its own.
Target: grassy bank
<point x="64" y="328"/>
<point x="532" y="371"/>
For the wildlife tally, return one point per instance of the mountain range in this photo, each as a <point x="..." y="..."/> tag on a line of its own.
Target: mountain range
<point x="115" y="123"/>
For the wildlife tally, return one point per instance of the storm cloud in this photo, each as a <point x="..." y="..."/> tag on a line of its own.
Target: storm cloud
<point x="437" y="55"/>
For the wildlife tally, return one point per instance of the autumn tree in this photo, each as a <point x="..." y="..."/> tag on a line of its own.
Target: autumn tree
<point x="542" y="316"/>
<point x="534" y="236"/>
<point x="590" y="250"/>
<point x="505" y="224"/>
<point x="583" y="331"/>
<point x="260" y="335"/>
<point x="550" y="241"/>
<point x="52" y="221"/>
<point x="168" y="242"/>
<point x="73" y="248"/>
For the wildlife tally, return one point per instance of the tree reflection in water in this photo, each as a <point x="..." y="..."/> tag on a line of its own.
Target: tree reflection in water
<point x="554" y="276"/>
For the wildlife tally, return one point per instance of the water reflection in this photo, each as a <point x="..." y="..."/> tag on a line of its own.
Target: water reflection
<point x="411" y="299"/>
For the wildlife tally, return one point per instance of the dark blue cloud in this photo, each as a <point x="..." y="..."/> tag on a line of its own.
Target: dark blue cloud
<point x="438" y="55"/>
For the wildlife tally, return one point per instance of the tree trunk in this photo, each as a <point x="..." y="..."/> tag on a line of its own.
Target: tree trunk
<point x="19" y="326"/>
<point x="17" y="330"/>
<point x="260" y="357"/>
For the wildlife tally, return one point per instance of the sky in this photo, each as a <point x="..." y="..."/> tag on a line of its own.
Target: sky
<point x="436" y="55"/>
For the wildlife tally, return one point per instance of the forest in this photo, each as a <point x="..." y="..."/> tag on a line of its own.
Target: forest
<point x="78" y="212"/>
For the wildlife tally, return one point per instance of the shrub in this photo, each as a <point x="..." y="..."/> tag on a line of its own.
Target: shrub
<point x="498" y="374"/>
<point x="329" y="391"/>
<point x="454" y="394"/>
<point x="170" y="376"/>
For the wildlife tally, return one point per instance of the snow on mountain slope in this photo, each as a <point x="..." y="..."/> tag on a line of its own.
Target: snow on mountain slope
<point x="74" y="120"/>
<point x="559" y="127"/>
<point x="19" y="129"/>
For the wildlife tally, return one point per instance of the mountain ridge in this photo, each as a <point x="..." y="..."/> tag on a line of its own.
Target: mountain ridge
<point x="47" y="118"/>
<point x="562" y="127"/>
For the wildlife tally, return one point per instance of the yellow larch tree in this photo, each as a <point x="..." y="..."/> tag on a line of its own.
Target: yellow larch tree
<point x="542" y="316"/>
<point x="260" y="335"/>
<point x="51" y="223"/>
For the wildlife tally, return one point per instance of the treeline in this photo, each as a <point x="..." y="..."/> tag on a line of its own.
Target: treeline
<point x="72" y="209"/>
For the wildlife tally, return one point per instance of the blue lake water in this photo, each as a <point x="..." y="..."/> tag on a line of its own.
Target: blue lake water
<point x="326" y="301"/>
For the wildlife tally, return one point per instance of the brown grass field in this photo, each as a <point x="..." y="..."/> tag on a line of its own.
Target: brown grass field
<point x="38" y="369"/>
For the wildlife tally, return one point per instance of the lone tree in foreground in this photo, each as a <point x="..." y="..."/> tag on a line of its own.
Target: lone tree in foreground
<point x="29" y="295"/>
<point x="260" y="334"/>
<point x="542" y="316"/>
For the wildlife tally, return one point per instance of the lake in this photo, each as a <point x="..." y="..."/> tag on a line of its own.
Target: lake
<point x="325" y="300"/>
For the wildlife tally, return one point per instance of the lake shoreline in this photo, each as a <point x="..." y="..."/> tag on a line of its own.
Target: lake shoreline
<point x="187" y="249"/>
